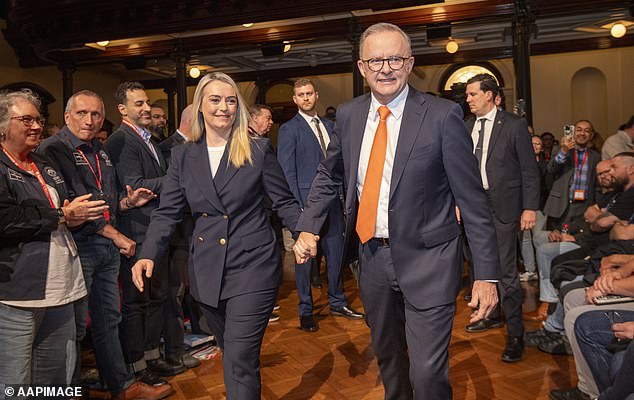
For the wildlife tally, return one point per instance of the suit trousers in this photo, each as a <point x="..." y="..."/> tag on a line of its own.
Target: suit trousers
<point x="511" y="296"/>
<point x="332" y="245"/>
<point x="239" y="323"/>
<point x="173" y="316"/>
<point x="411" y="344"/>
<point x="140" y="328"/>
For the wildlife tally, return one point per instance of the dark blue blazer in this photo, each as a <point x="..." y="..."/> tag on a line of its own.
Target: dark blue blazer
<point x="136" y="166"/>
<point x="299" y="154"/>
<point x="434" y="169"/>
<point x="233" y="249"/>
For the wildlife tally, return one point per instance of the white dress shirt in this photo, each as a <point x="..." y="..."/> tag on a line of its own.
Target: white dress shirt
<point x="310" y="122"/>
<point x="393" y="128"/>
<point x="475" y="133"/>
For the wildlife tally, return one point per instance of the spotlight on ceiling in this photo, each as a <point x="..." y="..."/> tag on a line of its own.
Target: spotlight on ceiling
<point x="103" y="43"/>
<point x="618" y="30"/>
<point x="451" y="46"/>
<point x="194" y="72"/>
<point x="248" y="25"/>
<point x="287" y="46"/>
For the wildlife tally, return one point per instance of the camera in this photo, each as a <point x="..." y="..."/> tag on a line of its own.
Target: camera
<point x="569" y="130"/>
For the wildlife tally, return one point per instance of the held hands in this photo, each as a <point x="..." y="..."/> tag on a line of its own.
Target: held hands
<point x="305" y="247"/>
<point x="527" y="222"/>
<point x="139" y="197"/>
<point x="81" y="210"/>
<point x="484" y="297"/>
<point x="143" y="264"/>
<point x="624" y="330"/>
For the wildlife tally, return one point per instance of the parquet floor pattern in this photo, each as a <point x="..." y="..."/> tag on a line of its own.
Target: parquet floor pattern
<point x="338" y="362"/>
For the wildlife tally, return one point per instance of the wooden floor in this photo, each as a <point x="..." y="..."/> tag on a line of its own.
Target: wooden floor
<point x="338" y="362"/>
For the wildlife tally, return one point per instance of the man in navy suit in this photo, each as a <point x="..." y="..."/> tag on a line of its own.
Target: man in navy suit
<point x="302" y="144"/>
<point x="414" y="153"/>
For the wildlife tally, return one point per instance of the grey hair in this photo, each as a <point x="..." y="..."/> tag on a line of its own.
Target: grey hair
<point x="89" y="93"/>
<point x="384" y="27"/>
<point x="8" y="100"/>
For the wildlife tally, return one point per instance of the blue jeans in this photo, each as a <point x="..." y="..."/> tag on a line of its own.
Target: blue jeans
<point x="528" y="252"/>
<point x="100" y="261"/>
<point x="546" y="253"/>
<point x="594" y="331"/>
<point x="37" y="344"/>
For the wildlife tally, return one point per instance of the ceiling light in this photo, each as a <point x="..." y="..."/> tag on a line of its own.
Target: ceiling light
<point x="287" y="47"/>
<point x="451" y="46"/>
<point x="618" y="30"/>
<point x="103" y="43"/>
<point x="194" y="72"/>
<point x="248" y="25"/>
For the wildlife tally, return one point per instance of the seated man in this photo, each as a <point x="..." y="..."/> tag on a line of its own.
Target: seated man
<point x="588" y="325"/>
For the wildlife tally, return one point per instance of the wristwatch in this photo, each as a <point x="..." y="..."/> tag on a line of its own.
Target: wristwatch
<point x="61" y="217"/>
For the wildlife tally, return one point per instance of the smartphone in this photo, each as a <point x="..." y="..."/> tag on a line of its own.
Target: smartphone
<point x="569" y="130"/>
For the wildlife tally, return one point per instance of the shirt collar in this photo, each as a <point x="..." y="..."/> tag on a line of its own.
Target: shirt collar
<point x="396" y="106"/>
<point x="180" y="133"/>
<point x="76" y="142"/>
<point x="490" y="116"/>
<point x="307" y="117"/>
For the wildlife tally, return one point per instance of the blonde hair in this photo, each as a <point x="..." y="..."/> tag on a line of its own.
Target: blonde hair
<point x="240" y="141"/>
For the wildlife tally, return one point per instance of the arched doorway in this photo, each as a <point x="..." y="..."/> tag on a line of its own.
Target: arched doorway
<point x="589" y="100"/>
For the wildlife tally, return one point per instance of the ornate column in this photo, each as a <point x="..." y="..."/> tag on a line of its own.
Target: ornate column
<point x="180" y="57"/>
<point x="172" y="118"/>
<point x="522" y="25"/>
<point x="354" y="27"/>
<point x="67" y="68"/>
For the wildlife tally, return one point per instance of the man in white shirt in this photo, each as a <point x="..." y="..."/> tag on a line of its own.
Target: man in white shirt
<point x="621" y="141"/>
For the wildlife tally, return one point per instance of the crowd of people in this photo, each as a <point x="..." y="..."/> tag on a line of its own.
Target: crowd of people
<point x="119" y="226"/>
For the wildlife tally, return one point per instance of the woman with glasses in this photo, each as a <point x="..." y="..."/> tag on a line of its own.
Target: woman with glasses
<point x="40" y="273"/>
<point x="223" y="174"/>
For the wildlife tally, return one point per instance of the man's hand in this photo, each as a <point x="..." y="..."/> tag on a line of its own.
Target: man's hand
<point x="139" y="197"/>
<point x="137" y="272"/>
<point x="484" y="297"/>
<point x="566" y="237"/>
<point x="567" y="143"/>
<point x="458" y="218"/>
<point x="305" y="247"/>
<point x="554" y="236"/>
<point x="126" y="246"/>
<point x="592" y="293"/>
<point x="527" y="222"/>
<point x="605" y="282"/>
<point x="592" y="213"/>
<point x="624" y="330"/>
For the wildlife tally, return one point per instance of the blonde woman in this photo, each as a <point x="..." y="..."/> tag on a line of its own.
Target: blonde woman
<point x="223" y="174"/>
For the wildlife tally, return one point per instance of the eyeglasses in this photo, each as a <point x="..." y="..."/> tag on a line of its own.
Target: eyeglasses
<point x="394" y="62"/>
<point x="28" y="120"/>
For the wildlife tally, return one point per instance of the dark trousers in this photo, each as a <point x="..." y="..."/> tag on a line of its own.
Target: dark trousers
<point x="412" y="345"/>
<point x="140" y="328"/>
<point x="239" y="324"/>
<point x="173" y="317"/>
<point x="100" y="260"/>
<point x="332" y="245"/>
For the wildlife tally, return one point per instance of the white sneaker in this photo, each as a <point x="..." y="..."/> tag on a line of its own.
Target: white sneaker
<point x="528" y="276"/>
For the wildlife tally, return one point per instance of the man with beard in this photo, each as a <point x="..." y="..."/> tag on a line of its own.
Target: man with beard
<point x="139" y="163"/>
<point x="302" y="145"/>
<point x="158" y="128"/>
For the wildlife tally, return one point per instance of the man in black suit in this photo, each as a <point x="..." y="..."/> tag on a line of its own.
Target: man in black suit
<point x="406" y="156"/>
<point x="509" y="173"/>
<point x="139" y="163"/>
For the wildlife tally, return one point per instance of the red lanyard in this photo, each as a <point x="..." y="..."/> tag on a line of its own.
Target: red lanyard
<point x="583" y="161"/>
<point x="37" y="174"/>
<point x="134" y="128"/>
<point x="97" y="178"/>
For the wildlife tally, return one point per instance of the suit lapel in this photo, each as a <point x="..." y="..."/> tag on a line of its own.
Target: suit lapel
<point x="225" y="171"/>
<point x="495" y="131"/>
<point x="198" y="162"/>
<point x="413" y="116"/>
<point x="357" y="129"/>
<point x="145" y="147"/>
<point x="308" y="132"/>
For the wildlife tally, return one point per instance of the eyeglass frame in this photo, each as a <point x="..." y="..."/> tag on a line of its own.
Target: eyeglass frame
<point x="41" y="121"/>
<point x="389" y="63"/>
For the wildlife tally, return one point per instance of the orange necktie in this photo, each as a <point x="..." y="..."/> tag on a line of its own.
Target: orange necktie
<point x="369" y="202"/>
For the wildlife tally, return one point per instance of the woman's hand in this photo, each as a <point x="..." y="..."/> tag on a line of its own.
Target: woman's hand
<point x="143" y="264"/>
<point x="81" y="209"/>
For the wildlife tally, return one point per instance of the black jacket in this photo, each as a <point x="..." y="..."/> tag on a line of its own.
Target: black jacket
<point x="26" y="223"/>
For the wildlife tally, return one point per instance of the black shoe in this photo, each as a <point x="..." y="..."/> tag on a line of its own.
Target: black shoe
<point x="514" y="350"/>
<point x="558" y="345"/>
<point x="535" y="338"/>
<point x="166" y="367"/>
<point x="568" y="394"/>
<point x="346" y="311"/>
<point x="316" y="283"/>
<point x="483" y="325"/>
<point x="186" y="359"/>
<point x="146" y="376"/>
<point x="308" y="324"/>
